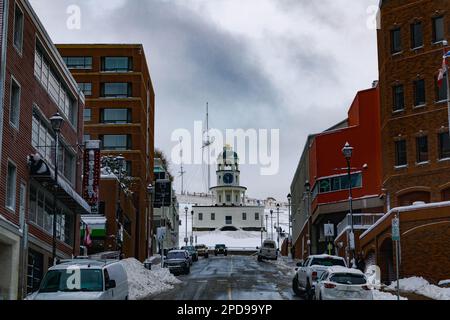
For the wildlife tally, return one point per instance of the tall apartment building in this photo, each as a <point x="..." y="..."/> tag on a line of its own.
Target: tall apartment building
<point x="35" y="85"/>
<point x="120" y="111"/>
<point x="414" y="118"/>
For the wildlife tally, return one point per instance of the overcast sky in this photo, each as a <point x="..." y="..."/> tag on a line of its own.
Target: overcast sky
<point x="293" y="65"/>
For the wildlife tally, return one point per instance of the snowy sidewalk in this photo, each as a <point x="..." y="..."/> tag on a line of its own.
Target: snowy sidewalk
<point x="143" y="283"/>
<point x="420" y="286"/>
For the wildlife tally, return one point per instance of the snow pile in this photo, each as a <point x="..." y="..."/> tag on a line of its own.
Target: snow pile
<point x="444" y="283"/>
<point x="420" y="286"/>
<point x="380" y="295"/>
<point x="143" y="283"/>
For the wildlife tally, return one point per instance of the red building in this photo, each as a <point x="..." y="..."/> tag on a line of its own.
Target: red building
<point x="35" y="85"/>
<point x="327" y="202"/>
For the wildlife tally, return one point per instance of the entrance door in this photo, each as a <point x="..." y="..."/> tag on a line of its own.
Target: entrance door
<point x="228" y="220"/>
<point x="35" y="271"/>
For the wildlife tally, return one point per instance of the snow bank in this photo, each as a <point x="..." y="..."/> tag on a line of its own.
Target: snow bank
<point x="444" y="283"/>
<point x="380" y="295"/>
<point x="143" y="282"/>
<point x="420" y="286"/>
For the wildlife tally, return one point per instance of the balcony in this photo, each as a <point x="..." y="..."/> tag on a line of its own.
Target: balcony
<point x="361" y="221"/>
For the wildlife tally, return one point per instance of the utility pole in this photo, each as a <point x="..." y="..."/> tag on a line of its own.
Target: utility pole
<point x="271" y="224"/>
<point x="182" y="172"/>
<point x="278" y="225"/>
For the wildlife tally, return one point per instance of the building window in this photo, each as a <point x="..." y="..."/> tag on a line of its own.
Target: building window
<point x="200" y="216"/>
<point x="244" y="216"/>
<point x="11" y="187"/>
<point x="86" y="87"/>
<point x="228" y="198"/>
<point x="18" y="28"/>
<point x="213" y="216"/>
<point x="116" y="90"/>
<point x="338" y="183"/>
<point x="117" y="64"/>
<point x="416" y="35"/>
<point x="78" y="62"/>
<point x="396" y="41"/>
<point x="86" y="137"/>
<point x="441" y="91"/>
<point x="14" y="110"/>
<point x="220" y="199"/>
<point x="228" y="220"/>
<point x="438" y="29"/>
<point x="115" y="116"/>
<point x="422" y="149"/>
<point x="256" y="216"/>
<point x="129" y="168"/>
<point x="236" y="198"/>
<point x="444" y="145"/>
<point x="116" y="142"/>
<point x="87" y="115"/>
<point x="55" y="88"/>
<point x="419" y="92"/>
<point x="400" y="153"/>
<point x="399" y="98"/>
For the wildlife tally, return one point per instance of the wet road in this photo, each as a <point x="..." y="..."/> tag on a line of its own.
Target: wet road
<point x="233" y="278"/>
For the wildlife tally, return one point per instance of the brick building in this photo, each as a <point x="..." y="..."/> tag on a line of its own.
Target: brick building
<point x="327" y="201"/>
<point x="414" y="117"/>
<point x="120" y="110"/>
<point x="35" y="85"/>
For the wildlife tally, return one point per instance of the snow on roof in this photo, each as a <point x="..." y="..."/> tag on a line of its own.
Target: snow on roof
<point x="406" y="209"/>
<point x="325" y="256"/>
<point x="340" y="269"/>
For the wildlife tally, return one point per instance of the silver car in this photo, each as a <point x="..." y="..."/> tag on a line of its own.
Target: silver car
<point x="83" y="279"/>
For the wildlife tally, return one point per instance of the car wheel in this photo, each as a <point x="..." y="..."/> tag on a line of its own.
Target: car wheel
<point x="308" y="292"/>
<point x="295" y="286"/>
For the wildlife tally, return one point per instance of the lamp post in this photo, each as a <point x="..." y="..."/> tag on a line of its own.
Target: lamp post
<point x="56" y="121"/>
<point x="308" y="212"/>
<point x="278" y="225"/>
<point x="150" y="192"/>
<point x="192" y="228"/>
<point x="267" y="226"/>
<point x="271" y="224"/>
<point x="185" y="226"/>
<point x="289" y="197"/>
<point x="347" y="151"/>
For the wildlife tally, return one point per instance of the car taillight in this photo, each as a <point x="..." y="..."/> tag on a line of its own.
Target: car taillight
<point x="329" y="285"/>
<point x="366" y="287"/>
<point x="314" y="275"/>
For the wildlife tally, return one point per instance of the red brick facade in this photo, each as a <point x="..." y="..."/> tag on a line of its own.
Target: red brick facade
<point x="141" y="102"/>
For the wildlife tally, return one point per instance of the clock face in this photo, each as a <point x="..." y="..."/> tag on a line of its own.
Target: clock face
<point x="228" y="178"/>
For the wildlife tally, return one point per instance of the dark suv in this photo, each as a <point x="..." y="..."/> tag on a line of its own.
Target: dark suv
<point x="221" y="249"/>
<point x="192" y="251"/>
<point x="178" y="261"/>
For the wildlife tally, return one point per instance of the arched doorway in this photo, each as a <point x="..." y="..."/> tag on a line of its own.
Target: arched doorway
<point x="409" y="198"/>
<point x="386" y="261"/>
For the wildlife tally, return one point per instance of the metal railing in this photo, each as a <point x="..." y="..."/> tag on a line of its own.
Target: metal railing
<point x="360" y="221"/>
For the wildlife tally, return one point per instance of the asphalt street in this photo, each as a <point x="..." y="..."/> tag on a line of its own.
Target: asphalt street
<point x="233" y="278"/>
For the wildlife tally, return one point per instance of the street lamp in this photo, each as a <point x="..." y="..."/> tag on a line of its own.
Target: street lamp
<point x="347" y="151"/>
<point x="271" y="224"/>
<point x="185" y="225"/>
<point x="308" y="212"/>
<point x="289" y="197"/>
<point x="192" y="227"/>
<point x="56" y="121"/>
<point x="278" y="225"/>
<point x="150" y="192"/>
<point x="267" y="226"/>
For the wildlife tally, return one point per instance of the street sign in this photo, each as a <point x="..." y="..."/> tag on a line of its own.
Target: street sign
<point x="396" y="229"/>
<point x="329" y="230"/>
<point x="351" y="239"/>
<point x="161" y="233"/>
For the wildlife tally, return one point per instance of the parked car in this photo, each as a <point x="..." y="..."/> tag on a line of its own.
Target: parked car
<point x="178" y="261"/>
<point x="339" y="283"/>
<point x="311" y="270"/>
<point x="202" y="251"/>
<point x="221" y="249"/>
<point x="268" y="251"/>
<point x="192" y="252"/>
<point x="99" y="280"/>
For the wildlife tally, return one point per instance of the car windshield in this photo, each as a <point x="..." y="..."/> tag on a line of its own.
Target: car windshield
<point x="269" y="245"/>
<point x="348" y="278"/>
<point x="188" y="248"/>
<point x="66" y="281"/>
<point x="175" y="255"/>
<point x="327" y="262"/>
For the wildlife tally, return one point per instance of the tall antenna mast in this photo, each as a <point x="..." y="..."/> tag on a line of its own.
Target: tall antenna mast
<point x="182" y="172"/>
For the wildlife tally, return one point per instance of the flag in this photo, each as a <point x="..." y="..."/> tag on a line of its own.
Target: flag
<point x="87" y="236"/>
<point x="447" y="55"/>
<point x="443" y="70"/>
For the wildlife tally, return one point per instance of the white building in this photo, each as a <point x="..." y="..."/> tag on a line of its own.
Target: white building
<point x="230" y="211"/>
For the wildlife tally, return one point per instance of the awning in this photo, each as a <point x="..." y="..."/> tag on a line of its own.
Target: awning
<point x="65" y="192"/>
<point x="97" y="224"/>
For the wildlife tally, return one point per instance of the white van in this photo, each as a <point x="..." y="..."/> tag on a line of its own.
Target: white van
<point x="83" y="279"/>
<point x="269" y="251"/>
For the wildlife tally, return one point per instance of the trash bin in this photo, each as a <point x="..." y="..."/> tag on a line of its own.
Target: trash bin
<point x="148" y="265"/>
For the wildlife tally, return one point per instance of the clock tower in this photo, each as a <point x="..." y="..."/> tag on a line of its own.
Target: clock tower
<point x="228" y="192"/>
